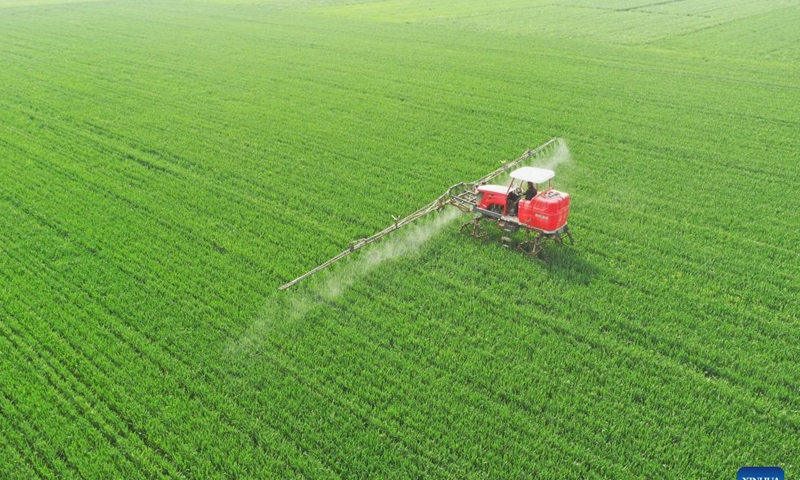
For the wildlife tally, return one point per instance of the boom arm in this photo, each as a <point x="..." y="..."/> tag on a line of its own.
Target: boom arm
<point x="460" y="195"/>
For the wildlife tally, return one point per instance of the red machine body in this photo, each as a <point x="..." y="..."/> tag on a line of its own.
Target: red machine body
<point x="547" y="211"/>
<point x="493" y="197"/>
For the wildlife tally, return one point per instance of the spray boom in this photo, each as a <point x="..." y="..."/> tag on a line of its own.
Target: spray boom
<point x="461" y="195"/>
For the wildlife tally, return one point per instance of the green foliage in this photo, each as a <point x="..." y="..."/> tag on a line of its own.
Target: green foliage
<point x="165" y="167"/>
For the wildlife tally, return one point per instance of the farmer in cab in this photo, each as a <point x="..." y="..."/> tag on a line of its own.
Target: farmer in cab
<point x="530" y="192"/>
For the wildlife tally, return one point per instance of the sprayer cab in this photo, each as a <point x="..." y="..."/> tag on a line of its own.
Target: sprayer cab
<point x="546" y="212"/>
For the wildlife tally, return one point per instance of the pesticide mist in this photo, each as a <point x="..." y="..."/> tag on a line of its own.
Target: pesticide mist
<point x="290" y="306"/>
<point x="402" y="243"/>
<point x="553" y="157"/>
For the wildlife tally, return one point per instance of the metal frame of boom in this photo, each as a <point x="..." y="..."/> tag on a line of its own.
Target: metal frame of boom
<point x="461" y="195"/>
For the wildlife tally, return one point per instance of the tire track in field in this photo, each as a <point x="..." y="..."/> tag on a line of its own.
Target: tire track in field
<point x="697" y="261"/>
<point x="94" y="186"/>
<point x="290" y="362"/>
<point x="701" y="258"/>
<point x="72" y="410"/>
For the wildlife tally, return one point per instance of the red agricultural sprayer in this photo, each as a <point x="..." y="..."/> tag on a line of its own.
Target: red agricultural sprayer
<point x="541" y="214"/>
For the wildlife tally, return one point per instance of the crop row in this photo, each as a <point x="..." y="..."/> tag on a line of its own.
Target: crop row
<point x="167" y="168"/>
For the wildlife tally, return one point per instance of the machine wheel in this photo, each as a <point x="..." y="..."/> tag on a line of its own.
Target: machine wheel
<point x="534" y="248"/>
<point x="474" y="227"/>
<point x="543" y="256"/>
<point x="569" y="235"/>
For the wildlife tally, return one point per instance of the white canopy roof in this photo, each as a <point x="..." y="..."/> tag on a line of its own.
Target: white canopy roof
<point x="533" y="174"/>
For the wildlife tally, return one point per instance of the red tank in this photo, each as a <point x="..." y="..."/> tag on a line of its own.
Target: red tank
<point x="547" y="211"/>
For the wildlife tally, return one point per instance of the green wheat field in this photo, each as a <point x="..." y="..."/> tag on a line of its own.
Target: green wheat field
<point x="166" y="166"/>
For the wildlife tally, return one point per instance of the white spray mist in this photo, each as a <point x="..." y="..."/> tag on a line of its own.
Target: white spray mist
<point x="400" y="244"/>
<point x="553" y="157"/>
<point x="291" y="306"/>
<point x="557" y="156"/>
